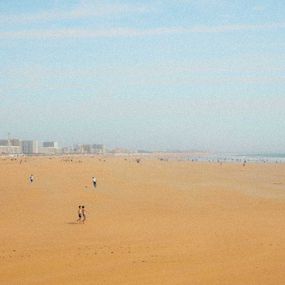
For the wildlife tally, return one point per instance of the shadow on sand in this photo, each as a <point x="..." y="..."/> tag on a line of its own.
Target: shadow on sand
<point x="73" y="223"/>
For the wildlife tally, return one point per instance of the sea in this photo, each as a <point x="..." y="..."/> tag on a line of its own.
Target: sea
<point x="240" y="158"/>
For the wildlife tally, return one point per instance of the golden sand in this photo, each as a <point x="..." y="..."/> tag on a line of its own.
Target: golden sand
<point x="154" y="222"/>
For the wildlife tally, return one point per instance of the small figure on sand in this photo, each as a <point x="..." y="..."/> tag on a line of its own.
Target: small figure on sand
<point x="94" y="180"/>
<point x="31" y="178"/>
<point x="79" y="214"/>
<point x="83" y="214"/>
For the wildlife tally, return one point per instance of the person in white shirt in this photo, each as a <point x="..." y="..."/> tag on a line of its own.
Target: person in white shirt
<point x="94" y="180"/>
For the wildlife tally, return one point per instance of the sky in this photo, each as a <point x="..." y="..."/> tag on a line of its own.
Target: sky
<point x="156" y="75"/>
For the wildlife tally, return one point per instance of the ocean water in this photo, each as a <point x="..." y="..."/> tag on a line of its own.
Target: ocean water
<point x="240" y="158"/>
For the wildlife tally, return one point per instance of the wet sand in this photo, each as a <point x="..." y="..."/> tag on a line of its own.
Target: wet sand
<point x="153" y="222"/>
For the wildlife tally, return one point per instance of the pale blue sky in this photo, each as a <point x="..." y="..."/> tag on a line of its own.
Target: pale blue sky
<point x="189" y="74"/>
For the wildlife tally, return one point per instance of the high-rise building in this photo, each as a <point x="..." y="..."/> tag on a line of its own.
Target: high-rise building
<point x="30" y="147"/>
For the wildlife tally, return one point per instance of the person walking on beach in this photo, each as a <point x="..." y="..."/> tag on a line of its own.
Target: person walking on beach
<point x="79" y="214"/>
<point x="83" y="214"/>
<point x="94" y="180"/>
<point x="31" y="178"/>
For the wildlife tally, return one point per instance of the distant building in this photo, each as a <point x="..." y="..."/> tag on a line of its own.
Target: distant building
<point x="15" y="142"/>
<point x="10" y="149"/>
<point x="89" y="149"/>
<point x="49" y="150"/>
<point x="11" y="142"/>
<point x="50" y="144"/>
<point x="11" y="146"/>
<point x="30" y="147"/>
<point x="86" y="148"/>
<point x="67" y="150"/>
<point x="4" y="142"/>
<point x="120" y="150"/>
<point x="98" y="148"/>
<point x="76" y="148"/>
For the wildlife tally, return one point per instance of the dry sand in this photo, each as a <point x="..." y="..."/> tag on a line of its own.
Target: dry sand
<point x="155" y="222"/>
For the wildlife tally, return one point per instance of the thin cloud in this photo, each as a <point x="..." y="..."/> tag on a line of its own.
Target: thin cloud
<point x="86" y="33"/>
<point x="36" y="77"/>
<point x="131" y="32"/>
<point x="238" y="28"/>
<point x="81" y="11"/>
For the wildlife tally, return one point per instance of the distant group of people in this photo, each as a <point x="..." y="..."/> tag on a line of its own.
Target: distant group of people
<point x="94" y="180"/>
<point x="81" y="208"/>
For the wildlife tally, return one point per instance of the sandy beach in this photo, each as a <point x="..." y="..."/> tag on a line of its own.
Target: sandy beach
<point x="153" y="222"/>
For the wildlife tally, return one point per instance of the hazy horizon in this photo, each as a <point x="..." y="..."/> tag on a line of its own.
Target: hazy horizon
<point x="153" y="75"/>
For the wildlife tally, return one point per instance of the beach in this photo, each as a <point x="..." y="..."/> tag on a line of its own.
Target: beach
<point x="153" y="222"/>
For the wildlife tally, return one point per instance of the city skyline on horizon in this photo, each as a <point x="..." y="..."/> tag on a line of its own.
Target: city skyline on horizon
<point x="41" y="143"/>
<point x="153" y="75"/>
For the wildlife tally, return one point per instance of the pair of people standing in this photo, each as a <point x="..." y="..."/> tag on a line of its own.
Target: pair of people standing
<point x="81" y="209"/>
<point x="81" y="214"/>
